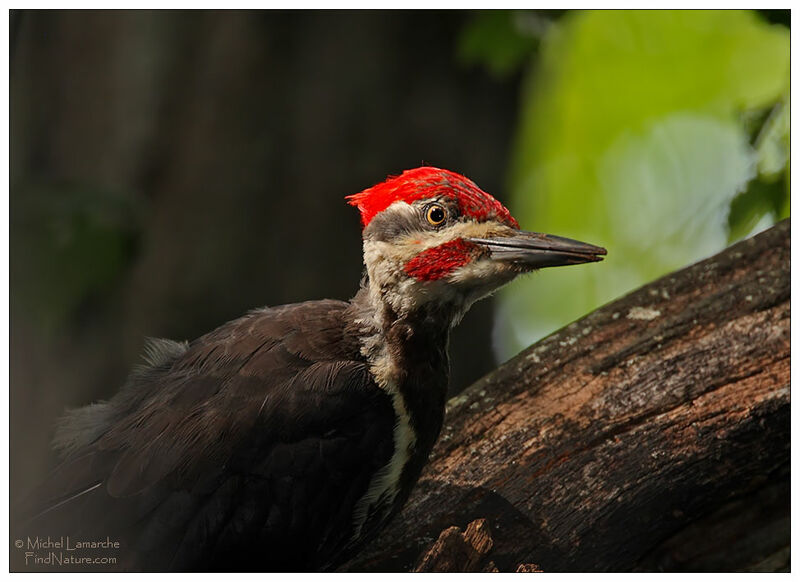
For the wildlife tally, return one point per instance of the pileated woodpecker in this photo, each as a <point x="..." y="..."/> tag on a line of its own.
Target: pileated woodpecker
<point x="287" y="438"/>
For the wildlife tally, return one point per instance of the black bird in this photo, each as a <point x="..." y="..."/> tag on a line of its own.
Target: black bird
<point x="286" y="439"/>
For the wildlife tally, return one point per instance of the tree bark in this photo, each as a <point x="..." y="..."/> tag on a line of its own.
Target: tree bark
<point x="653" y="434"/>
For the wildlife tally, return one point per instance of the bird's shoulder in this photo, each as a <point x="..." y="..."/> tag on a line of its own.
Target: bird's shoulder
<point x="311" y="331"/>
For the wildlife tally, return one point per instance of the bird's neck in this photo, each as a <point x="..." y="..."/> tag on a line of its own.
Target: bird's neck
<point x="407" y="355"/>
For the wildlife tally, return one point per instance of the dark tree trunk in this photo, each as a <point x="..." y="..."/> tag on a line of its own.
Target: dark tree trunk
<point x="653" y="434"/>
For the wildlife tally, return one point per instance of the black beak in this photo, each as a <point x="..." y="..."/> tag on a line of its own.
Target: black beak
<point x="536" y="250"/>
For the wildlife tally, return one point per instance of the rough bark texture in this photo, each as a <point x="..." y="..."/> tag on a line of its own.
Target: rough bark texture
<point x="652" y="434"/>
<point x="455" y="551"/>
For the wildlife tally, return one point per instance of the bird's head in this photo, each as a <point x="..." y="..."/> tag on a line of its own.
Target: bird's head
<point x="434" y="238"/>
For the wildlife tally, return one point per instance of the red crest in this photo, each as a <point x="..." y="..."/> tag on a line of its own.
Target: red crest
<point x="428" y="182"/>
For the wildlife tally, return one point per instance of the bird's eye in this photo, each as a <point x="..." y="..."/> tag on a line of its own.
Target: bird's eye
<point x="436" y="215"/>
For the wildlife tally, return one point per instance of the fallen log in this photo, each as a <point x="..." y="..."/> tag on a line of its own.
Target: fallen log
<point x="653" y="434"/>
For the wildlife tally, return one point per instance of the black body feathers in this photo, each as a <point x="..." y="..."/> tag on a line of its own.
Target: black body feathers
<point x="247" y="449"/>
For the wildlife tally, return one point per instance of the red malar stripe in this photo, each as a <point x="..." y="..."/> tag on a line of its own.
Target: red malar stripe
<point x="437" y="262"/>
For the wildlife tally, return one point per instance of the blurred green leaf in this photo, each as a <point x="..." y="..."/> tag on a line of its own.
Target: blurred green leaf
<point x="631" y="137"/>
<point x="760" y="205"/>
<point x="500" y="40"/>
<point x="772" y="143"/>
<point x="69" y="244"/>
